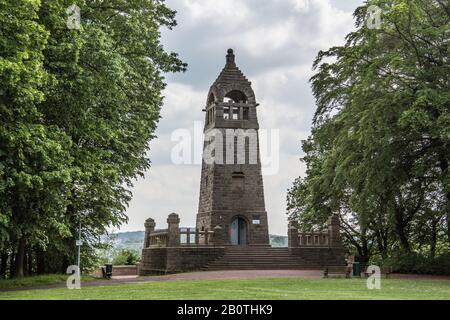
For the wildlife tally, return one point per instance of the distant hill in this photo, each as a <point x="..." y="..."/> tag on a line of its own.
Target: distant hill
<point x="135" y="240"/>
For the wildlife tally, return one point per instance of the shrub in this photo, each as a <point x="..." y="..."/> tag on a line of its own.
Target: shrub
<point x="420" y="264"/>
<point x="126" y="257"/>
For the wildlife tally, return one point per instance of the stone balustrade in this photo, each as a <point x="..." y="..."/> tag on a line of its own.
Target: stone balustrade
<point x="158" y="238"/>
<point x="196" y="237"/>
<point x="174" y="236"/>
<point x="329" y="238"/>
<point x="313" y="239"/>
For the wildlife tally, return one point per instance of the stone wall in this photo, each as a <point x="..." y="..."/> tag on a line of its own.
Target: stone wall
<point x="326" y="251"/>
<point x="125" y="270"/>
<point x="319" y="257"/>
<point x="154" y="261"/>
<point x="118" y="271"/>
<point x="177" y="259"/>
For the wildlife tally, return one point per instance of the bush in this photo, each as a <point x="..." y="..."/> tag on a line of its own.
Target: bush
<point x="126" y="258"/>
<point x="420" y="264"/>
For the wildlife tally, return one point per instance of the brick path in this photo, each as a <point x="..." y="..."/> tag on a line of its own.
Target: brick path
<point x="238" y="274"/>
<point x="228" y="274"/>
<point x="208" y="275"/>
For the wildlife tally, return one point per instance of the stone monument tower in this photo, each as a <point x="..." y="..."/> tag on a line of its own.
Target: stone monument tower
<point x="231" y="193"/>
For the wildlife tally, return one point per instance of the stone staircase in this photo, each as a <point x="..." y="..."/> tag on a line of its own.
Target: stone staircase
<point x="256" y="258"/>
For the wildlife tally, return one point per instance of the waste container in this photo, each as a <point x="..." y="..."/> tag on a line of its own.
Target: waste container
<point x="108" y="270"/>
<point x="356" y="269"/>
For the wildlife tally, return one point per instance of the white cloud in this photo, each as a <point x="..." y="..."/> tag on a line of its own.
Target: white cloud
<point x="264" y="39"/>
<point x="276" y="42"/>
<point x="217" y="11"/>
<point x="301" y="5"/>
<point x="333" y="24"/>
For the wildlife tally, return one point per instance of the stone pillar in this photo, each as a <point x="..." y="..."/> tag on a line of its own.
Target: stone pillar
<point x="149" y="228"/>
<point x="173" y="222"/>
<point x="207" y="236"/>
<point x="293" y="234"/>
<point x="218" y="236"/>
<point x="197" y="236"/>
<point x="334" y="235"/>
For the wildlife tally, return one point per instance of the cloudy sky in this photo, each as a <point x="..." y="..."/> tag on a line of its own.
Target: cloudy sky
<point x="275" y="42"/>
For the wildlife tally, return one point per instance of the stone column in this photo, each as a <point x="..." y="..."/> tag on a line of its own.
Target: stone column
<point x="218" y="236"/>
<point x="173" y="222"/>
<point x="149" y="228"/>
<point x="207" y="236"/>
<point x="293" y="234"/>
<point x="334" y="235"/>
<point x="197" y="236"/>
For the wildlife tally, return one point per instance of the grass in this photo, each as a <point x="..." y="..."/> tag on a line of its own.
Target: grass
<point x="38" y="281"/>
<point x="268" y="289"/>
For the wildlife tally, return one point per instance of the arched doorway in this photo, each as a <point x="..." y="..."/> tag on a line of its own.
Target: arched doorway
<point x="238" y="232"/>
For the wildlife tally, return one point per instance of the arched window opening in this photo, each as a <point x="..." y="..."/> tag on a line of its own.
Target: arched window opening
<point x="235" y="113"/>
<point x="211" y="99"/>
<point x="226" y="113"/>
<point x="235" y="96"/>
<point x="246" y="113"/>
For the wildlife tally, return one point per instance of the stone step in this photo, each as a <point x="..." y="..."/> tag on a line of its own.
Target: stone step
<point x="247" y="258"/>
<point x="253" y="262"/>
<point x="257" y="257"/>
<point x="244" y="248"/>
<point x="281" y="267"/>
<point x="253" y="258"/>
<point x="258" y="253"/>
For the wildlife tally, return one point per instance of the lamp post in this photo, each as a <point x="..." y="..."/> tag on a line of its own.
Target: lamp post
<point x="79" y="243"/>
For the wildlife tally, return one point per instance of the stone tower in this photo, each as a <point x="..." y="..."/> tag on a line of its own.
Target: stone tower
<point x="231" y="193"/>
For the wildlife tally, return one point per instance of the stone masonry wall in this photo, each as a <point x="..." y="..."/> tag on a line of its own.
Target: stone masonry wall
<point x="180" y="259"/>
<point x="229" y="191"/>
<point x="319" y="257"/>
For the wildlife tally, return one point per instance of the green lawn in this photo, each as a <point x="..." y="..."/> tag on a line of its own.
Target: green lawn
<point x="38" y="281"/>
<point x="293" y="288"/>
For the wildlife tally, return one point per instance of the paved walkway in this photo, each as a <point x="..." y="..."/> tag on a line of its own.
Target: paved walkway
<point x="238" y="274"/>
<point x="216" y="275"/>
<point x="205" y="275"/>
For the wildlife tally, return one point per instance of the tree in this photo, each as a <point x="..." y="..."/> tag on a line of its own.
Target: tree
<point x="79" y="108"/>
<point x="379" y="147"/>
<point x="126" y="257"/>
<point x="34" y="157"/>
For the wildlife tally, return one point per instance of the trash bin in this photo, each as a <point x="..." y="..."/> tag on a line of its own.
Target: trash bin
<point x="356" y="269"/>
<point x="108" y="270"/>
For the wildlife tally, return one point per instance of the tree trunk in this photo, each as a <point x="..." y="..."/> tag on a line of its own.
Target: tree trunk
<point x="404" y="242"/>
<point x="30" y="262"/>
<point x="25" y="263"/>
<point x="40" y="261"/>
<point x="443" y="163"/>
<point x="20" y="259"/>
<point x="364" y="252"/>
<point x="433" y="237"/>
<point x="448" y="228"/>
<point x="65" y="264"/>
<point x="381" y="244"/>
<point x="400" y="227"/>
<point x="12" y="264"/>
<point x="3" y="264"/>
